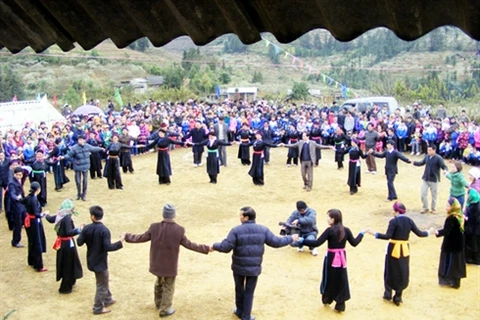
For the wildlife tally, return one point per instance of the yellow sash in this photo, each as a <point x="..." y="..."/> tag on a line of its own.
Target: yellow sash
<point x="400" y="244"/>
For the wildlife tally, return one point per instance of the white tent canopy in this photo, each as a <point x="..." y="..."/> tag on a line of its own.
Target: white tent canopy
<point x="14" y="115"/>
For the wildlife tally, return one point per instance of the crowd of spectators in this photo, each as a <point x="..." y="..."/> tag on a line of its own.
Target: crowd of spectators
<point x="412" y="129"/>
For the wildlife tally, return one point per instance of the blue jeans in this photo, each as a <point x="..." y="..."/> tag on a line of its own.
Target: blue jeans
<point x="308" y="236"/>
<point x="461" y="199"/>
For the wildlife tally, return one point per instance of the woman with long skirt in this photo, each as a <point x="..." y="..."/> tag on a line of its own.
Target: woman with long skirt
<point x="69" y="268"/>
<point x="256" y="170"/>
<point x="397" y="259"/>
<point x="472" y="228"/>
<point x="452" y="255"/>
<point x="334" y="285"/>
<point x="354" y="169"/>
<point x="162" y="142"/>
<point x="34" y="228"/>
<point x="213" y="164"/>
<point x="58" y="167"/>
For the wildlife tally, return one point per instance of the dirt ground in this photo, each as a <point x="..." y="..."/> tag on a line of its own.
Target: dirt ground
<point x="288" y="287"/>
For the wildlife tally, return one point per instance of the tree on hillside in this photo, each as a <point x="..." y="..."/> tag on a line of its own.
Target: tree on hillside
<point x="257" y="77"/>
<point x="173" y="77"/>
<point x="190" y="55"/>
<point x="437" y="40"/>
<point x="233" y="45"/>
<point x="10" y="85"/>
<point x="300" y="91"/>
<point x="72" y="98"/>
<point x="140" y="45"/>
<point x="317" y="42"/>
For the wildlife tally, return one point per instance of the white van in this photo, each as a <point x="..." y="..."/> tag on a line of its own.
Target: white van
<point x="363" y="104"/>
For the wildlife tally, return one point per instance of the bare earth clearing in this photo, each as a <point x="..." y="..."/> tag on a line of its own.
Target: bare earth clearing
<point x="289" y="285"/>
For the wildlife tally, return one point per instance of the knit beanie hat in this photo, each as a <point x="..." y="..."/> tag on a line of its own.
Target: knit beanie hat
<point x="169" y="211"/>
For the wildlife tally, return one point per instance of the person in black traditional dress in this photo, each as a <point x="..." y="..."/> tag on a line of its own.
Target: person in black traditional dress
<point x="397" y="258"/>
<point x="316" y="135"/>
<point x="198" y="135"/>
<point x="162" y="142"/>
<point x="125" y="156"/>
<point x="472" y="228"/>
<point x="38" y="174"/>
<point x="69" y="268"/>
<point x="244" y="148"/>
<point x="340" y="141"/>
<point x="334" y="285"/>
<point x="34" y="228"/>
<point x="291" y="137"/>
<point x="58" y="167"/>
<point x="256" y="170"/>
<point x="267" y="135"/>
<point x="452" y="268"/>
<point x="15" y="210"/>
<point x="213" y="163"/>
<point x="354" y="168"/>
<point x="95" y="156"/>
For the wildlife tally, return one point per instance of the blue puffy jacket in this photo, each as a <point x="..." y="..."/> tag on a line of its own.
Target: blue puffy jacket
<point x="80" y="156"/>
<point x="248" y="243"/>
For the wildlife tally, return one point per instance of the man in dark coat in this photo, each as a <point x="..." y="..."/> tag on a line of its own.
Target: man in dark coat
<point x="248" y="244"/>
<point x="165" y="238"/>
<point x="97" y="237"/>
<point x="391" y="168"/>
<point x="80" y="157"/>
<point x="17" y="209"/>
<point x="431" y="176"/>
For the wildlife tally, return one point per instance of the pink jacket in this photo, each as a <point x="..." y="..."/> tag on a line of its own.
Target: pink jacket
<point x="476" y="138"/>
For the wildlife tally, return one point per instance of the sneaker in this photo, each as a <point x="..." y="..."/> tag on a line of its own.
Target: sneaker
<point x="288" y="165"/>
<point x="418" y="153"/>
<point x="374" y="172"/>
<point x="300" y="249"/>
<point x="434" y="211"/>
<point x="424" y="211"/>
<point x="368" y="171"/>
<point x="412" y="153"/>
<point x="314" y="252"/>
<point x="195" y="165"/>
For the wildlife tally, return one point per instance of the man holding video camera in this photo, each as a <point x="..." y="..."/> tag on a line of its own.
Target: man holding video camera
<point x="304" y="219"/>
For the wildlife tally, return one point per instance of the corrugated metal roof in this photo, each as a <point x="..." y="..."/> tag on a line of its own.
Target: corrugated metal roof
<point x="42" y="23"/>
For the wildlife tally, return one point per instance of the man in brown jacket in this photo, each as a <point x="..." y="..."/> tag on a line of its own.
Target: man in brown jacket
<point x="165" y="239"/>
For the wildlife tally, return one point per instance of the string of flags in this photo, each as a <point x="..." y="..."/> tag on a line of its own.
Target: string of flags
<point x="305" y="66"/>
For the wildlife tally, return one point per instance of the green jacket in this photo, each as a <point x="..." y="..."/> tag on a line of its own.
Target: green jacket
<point x="457" y="183"/>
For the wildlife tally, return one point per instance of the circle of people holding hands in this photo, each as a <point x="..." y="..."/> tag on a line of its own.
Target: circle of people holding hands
<point x="83" y="142"/>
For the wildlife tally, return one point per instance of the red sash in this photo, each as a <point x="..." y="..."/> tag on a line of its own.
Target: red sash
<point x="58" y="242"/>
<point x="29" y="216"/>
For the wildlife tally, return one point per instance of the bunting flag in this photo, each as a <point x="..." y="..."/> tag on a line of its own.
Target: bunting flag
<point x="54" y="99"/>
<point x="345" y="90"/>
<point x="14" y="98"/>
<point x="84" y="98"/>
<point x="118" y="97"/>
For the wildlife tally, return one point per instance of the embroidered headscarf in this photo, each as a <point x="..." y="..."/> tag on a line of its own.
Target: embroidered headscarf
<point x="66" y="208"/>
<point x="473" y="197"/>
<point x="456" y="211"/>
<point x="399" y="207"/>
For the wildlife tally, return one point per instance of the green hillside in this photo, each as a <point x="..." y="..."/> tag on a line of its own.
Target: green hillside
<point x="442" y="66"/>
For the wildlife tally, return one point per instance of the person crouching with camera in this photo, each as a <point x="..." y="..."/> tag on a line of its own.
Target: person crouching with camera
<point x="305" y="219"/>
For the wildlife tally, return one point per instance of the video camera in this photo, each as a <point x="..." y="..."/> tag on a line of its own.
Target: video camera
<point x="289" y="229"/>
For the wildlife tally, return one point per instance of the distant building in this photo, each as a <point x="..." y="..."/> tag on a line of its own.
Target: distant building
<point x="245" y="93"/>
<point x="140" y="85"/>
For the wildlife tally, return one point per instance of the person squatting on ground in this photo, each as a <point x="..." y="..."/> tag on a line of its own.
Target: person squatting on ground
<point x="248" y="244"/>
<point x="165" y="238"/>
<point x="305" y="219"/>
